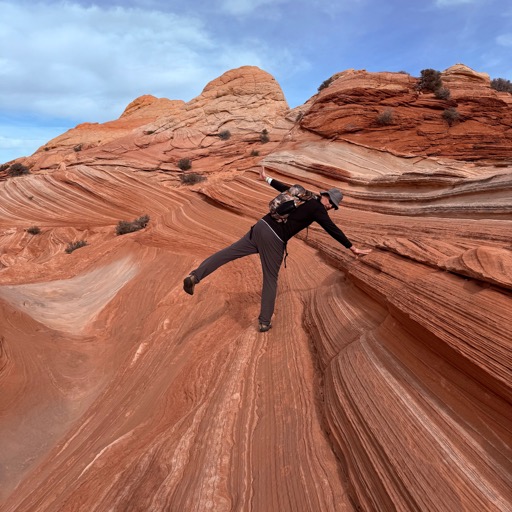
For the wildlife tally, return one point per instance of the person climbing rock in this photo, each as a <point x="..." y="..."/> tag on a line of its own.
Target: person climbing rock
<point x="268" y="238"/>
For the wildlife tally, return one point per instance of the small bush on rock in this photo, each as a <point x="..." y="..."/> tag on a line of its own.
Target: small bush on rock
<point x="385" y="118"/>
<point x="502" y="85"/>
<point x="442" y="93"/>
<point x="430" y="80"/>
<point x="451" y="116"/>
<point x="191" y="178"/>
<point x="325" y="83"/>
<point x="124" y="226"/>
<point x="73" y="246"/>
<point x="185" y="164"/>
<point x="224" y="135"/>
<point x="33" y="230"/>
<point x="264" y="138"/>
<point x="17" y="169"/>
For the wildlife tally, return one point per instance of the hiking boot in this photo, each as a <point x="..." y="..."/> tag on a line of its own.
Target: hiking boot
<point x="265" y="327"/>
<point x="189" y="283"/>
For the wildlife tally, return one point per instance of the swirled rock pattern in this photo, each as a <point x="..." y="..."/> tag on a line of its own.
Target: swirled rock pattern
<point x="387" y="111"/>
<point x="385" y="382"/>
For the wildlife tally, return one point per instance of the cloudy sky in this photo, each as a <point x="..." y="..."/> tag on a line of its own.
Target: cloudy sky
<point x="67" y="62"/>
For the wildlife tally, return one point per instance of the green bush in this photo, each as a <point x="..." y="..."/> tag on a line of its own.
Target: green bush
<point x="264" y="138"/>
<point x="185" y="164"/>
<point x="17" y="169"/>
<point x="224" y="135"/>
<point x="502" y="85"/>
<point x="451" y="115"/>
<point x="442" y="93"/>
<point x="33" y="230"/>
<point x="191" y="178"/>
<point x="73" y="246"/>
<point x="124" y="226"/>
<point x="255" y="152"/>
<point x="430" y="80"/>
<point x="385" y="118"/>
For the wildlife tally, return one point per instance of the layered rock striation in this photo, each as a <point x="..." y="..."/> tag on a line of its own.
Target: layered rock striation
<point x="384" y="383"/>
<point x="388" y="111"/>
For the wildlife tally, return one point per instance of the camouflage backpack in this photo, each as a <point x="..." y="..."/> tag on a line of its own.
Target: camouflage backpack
<point x="283" y="204"/>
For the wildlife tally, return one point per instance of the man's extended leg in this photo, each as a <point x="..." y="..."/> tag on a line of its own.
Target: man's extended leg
<point x="244" y="247"/>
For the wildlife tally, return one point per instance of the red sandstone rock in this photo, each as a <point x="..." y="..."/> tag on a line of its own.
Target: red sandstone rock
<point x="385" y="381"/>
<point x="154" y="134"/>
<point x="350" y="107"/>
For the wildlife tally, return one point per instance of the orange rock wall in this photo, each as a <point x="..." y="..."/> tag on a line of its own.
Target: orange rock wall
<point x="384" y="383"/>
<point x="349" y="109"/>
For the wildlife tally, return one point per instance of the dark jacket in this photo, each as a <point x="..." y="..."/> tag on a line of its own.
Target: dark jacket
<point x="307" y="213"/>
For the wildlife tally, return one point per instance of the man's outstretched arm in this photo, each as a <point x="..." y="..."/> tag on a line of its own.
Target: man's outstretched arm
<point x="281" y="187"/>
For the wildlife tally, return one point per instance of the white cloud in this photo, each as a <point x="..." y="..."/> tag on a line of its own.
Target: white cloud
<point x="504" y="40"/>
<point x="273" y="9"/>
<point x="245" y="7"/>
<point x="88" y="63"/>
<point x="448" y="3"/>
<point x="59" y="56"/>
<point x="81" y="63"/>
<point x="12" y="143"/>
<point x="22" y="138"/>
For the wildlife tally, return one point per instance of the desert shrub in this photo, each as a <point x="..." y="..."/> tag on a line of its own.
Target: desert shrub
<point x="502" y="85"/>
<point x="33" y="230"/>
<point x="191" y="178"/>
<point x="430" y="80"/>
<point x="224" y="135"/>
<point x="124" y="226"/>
<point x="264" y="136"/>
<point x="442" y="93"/>
<point x="385" y="118"/>
<point x="325" y="84"/>
<point x="4" y="167"/>
<point x="185" y="164"/>
<point x="73" y="246"/>
<point x="451" y="115"/>
<point x="77" y="148"/>
<point x="17" y="169"/>
<point x="255" y="152"/>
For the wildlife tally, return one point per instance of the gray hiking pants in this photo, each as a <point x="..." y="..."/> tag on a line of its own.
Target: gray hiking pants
<point x="260" y="239"/>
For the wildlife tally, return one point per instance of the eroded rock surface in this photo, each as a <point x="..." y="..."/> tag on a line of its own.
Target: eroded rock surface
<point x="350" y="108"/>
<point x="384" y="383"/>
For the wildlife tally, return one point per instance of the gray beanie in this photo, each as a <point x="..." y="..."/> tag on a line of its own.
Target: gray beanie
<point x="335" y="196"/>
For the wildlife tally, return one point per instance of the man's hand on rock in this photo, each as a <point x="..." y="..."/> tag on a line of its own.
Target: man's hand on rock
<point x="263" y="176"/>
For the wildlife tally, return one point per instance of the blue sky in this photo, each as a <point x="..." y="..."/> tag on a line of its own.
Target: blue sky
<point x="67" y="62"/>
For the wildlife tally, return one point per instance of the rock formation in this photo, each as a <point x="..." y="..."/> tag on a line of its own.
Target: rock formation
<point x="350" y="109"/>
<point x="385" y="382"/>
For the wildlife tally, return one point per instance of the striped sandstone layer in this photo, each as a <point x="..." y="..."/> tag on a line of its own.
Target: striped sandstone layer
<point x="384" y="383"/>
